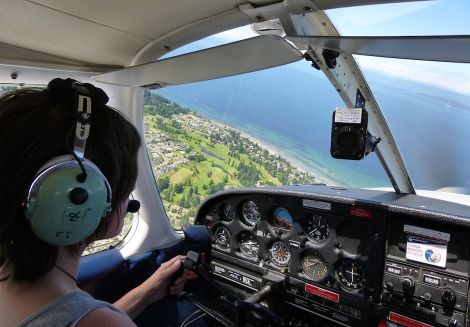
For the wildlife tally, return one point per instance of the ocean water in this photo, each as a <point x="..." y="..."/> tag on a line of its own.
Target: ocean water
<point x="291" y="108"/>
<point x="431" y="127"/>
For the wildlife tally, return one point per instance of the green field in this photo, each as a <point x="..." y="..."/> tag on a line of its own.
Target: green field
<point x="193" y="158"/>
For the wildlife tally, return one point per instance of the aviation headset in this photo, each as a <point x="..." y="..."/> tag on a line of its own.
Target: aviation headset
<point x="70" y="195"/>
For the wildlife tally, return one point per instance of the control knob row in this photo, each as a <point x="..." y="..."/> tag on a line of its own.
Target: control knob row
<point x="408" y="284"/>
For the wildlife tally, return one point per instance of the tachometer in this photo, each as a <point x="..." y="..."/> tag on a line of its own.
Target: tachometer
<point x="351" y="274"/>
<point x="250" y="213"/>
<point x="249" y="246"/>
<point x="280" y="253"/>
<point x="222" y="236"/>
<point x="314" y="266"/>
<point x="317" y="228"/>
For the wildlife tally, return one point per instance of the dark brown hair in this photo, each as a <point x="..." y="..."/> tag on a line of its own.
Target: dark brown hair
<point x="34" y="128"/>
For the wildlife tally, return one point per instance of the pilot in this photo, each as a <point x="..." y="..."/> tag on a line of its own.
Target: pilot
<point x="68" y="163"/>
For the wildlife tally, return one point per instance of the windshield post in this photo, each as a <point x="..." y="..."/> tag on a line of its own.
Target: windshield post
<point x="347" y="78"/>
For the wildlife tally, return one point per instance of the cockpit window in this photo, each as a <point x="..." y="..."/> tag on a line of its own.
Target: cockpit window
<point x="7" y="89"/>
<point x="426" y="104"/>
<point x="403" y="19"/>
<point x="427" y="108"/>
<point x="233" y="35"/>
<point x="270" y="127"/>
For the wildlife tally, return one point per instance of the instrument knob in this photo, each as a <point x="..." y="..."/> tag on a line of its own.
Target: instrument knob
<point x="388" y="286"/>
<point x="427" y="297"/>
<point x="408" y="285"/>
<point x="448" y="297"/>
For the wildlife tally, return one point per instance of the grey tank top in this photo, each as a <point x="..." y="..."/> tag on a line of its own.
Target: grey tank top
<point x="66" y="311"/>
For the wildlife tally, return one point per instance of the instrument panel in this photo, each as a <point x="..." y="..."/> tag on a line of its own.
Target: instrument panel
<point x="312" y="242"/>
<point x="343" y="259"/>
<point x="298" y="240"/>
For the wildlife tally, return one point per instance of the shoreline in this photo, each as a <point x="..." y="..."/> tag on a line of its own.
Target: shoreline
<point x="272" y="149"/>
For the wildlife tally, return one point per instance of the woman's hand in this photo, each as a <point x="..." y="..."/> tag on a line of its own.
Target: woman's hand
<point x="155" y="288"/>
<point x="163" y="282"/>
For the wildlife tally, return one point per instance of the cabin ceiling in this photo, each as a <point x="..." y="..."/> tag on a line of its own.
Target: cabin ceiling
<point x="104" y="32"/>
<point x="109" y="34"/>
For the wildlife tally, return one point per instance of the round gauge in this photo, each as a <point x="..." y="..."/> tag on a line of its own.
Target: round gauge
<point x="222" y="236"/>
<point x="248" y="245"/>
<point x="250" y="213"/>
<point x="314" y="266"/>
<point x="317" y="228"/>
<point x="280" y="253"/>
<point x="282" y="219"/>
<point x="351" y="274"/>
<point x="226" y="212"/>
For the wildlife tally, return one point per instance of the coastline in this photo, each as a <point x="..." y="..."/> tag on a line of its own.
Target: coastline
<point x="319" y="177"/>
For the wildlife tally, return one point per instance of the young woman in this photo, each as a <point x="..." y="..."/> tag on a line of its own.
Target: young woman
<point x="37" y="276"/>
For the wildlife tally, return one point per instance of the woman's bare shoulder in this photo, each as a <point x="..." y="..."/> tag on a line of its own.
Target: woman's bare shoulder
<point x="104" y="317"/>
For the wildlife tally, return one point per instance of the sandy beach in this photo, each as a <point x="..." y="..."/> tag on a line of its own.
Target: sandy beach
<point x="319" y="177"/>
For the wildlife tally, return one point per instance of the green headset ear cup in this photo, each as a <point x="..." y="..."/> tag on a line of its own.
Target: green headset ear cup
<point x="54" y="218"/>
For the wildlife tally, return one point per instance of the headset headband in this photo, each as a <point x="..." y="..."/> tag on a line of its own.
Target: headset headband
<point x="82" y="130"/>
<point x="81" y="96"/>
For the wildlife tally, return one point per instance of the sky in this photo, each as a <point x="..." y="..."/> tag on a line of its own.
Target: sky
<point x="435" y="17"/>
<point x="438" y="17"/>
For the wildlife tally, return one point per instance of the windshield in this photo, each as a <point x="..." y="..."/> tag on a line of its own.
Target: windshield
<point x="271" y="127"/>
<point x="426" y="104"/>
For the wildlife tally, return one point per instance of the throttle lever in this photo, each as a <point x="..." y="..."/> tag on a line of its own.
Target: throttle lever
<point x="261" y="294"/>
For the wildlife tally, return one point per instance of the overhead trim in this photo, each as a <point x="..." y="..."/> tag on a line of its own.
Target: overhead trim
<point x="12" y="55"/>
<point x="446" y="48"/>
<point x="235" y="58"/>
